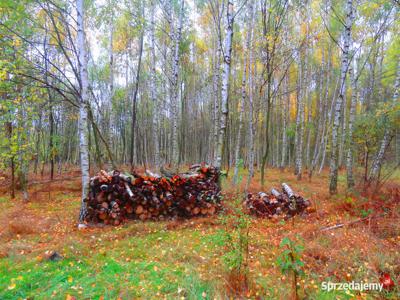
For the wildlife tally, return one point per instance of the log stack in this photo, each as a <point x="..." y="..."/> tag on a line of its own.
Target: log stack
<point x="274" y="204"/>
<point x="115" y="197"/>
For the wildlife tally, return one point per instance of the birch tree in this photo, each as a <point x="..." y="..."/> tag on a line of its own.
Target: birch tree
<point x="225" y="82"/>
<point x="333" y="176"/>
<point x="299" y="137"/>
<point x="153" y="86"/>
<point x="244" y="92"/>
<point x="83" y="109"/>
<point x="175" y="87"/>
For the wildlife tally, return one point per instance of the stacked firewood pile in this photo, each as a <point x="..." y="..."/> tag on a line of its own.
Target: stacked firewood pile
<point x="275" y="204"/>
<point x="115" y="197"/>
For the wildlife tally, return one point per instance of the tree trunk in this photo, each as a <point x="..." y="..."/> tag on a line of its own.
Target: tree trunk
<point x="153" y="87"/>
<point x="251" y="105"/>
<point x="243" y="98"/>
<point x="84" y="100"/>
<point x="350" y="142"/>
<point x="339" y="100"/>
<point x="321" y="119"/>
<point x="175" y="88"/>
<point x="110" y="164"/>
<point x="134" y="99"/>
<point x="387" y="136"/>
<point x="300" y="122"/>
<point x="225" y="83"/>
<point x="285" y="119"/>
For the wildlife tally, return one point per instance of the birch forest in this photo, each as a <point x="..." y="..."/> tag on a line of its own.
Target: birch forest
<point x="258" y="141"/>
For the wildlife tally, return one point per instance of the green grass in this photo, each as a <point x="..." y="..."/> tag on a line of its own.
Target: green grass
<point x="158" y="260"/>
<point x="143" y="266"/>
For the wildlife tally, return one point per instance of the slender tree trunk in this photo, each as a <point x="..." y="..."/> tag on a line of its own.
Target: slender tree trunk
<point x="252" y="126"/>
<point x="110" y="164"/>
<point x="339" y="100"/>
<point x="50" y="98"/>
<point x="285" y="120"/>
<point x="153" y="87"/>
<point x="134" y="99"/>
<point x="216" y="98"/>
<point x="84" y="100"/>
<point x="328" y="118"/>
<point x="23" y="136"/>
<point x="387" y="136"/>
<point x="175" y="89"/>
<point x="350" y="142"/>
<point x="321" y="120"/>
<point x="300" y="122"/>
<point x="225" y="83"/>
<point x="309" y="123"/>
<point x="243" y="98"/>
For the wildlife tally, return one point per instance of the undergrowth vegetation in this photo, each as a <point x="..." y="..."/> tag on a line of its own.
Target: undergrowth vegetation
<point x="230" y="255"/>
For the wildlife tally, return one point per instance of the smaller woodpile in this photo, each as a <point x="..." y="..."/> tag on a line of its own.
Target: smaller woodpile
<point x="275" y="204"/>
<point x="115" y="197"/>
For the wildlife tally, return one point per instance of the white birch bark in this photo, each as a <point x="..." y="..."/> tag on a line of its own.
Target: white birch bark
<point x="84" y="101"/>
<point x="321" y="120"/>
<point x="216" y="85"/>
<point x="285" y="120"/>
<point x="153" y="87"/>
<point x="309" y="121"/>
<point x="300" y="122"/>
<point x="175" y="88"/>
<point x="339" y="100"/>
<point x="225" y="83"/>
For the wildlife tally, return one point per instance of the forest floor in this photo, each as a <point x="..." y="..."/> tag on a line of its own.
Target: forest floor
<point x="183" y="259"/>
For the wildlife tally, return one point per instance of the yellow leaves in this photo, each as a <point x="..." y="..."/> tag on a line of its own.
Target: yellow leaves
<point x="120" y="44"/>
<point x="201" y="45"/>
<point x="369" y="8"/>
<point x="303" y="29"/>
<point x="318" y="54"/>
<point x="17" y="42"/>
<point x="293" y="101"/>
<point x="13" y="285"/>
<point x="70" y="279"/>
<point x="3" y="74"/>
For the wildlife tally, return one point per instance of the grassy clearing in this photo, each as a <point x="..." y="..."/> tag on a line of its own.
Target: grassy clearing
<point x="175" y="259"/>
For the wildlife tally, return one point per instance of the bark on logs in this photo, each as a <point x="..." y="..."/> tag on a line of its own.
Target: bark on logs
<point x="115" y="197"/>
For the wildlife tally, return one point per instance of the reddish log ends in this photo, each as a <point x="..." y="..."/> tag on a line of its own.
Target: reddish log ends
<point x="275" y="204"/>
<point x="115" y="197"/>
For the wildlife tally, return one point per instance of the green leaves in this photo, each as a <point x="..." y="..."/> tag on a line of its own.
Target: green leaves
<point x="290" y="258"/>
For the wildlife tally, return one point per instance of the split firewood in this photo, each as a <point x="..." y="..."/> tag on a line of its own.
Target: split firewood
<point x="151" y="174"/>
<point x="115" y="197"/>
<point x="167" y="173"/>
<point x="274" y="204"/>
